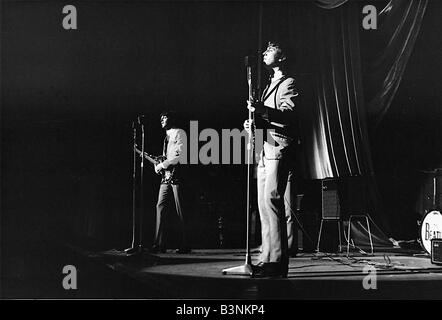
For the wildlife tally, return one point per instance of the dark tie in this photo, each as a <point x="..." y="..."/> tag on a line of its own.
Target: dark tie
<point x="264" y="93"/>
<point x="166" y="140"/>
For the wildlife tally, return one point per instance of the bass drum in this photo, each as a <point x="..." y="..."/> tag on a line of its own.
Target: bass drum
<point x="431" y="228"/>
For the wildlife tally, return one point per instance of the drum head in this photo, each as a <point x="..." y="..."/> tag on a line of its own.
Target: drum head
<point x="431" y="228"/>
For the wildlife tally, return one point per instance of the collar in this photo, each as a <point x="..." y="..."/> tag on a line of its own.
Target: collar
<point x="277" y="79"/>
<point x="170" y="131"/>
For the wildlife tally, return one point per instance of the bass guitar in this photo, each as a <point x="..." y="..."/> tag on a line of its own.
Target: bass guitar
<point x="167" y="175"/>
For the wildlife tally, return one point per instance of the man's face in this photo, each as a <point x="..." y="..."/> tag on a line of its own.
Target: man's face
<point x="271" y="56"/>
<point x="164" y="121"/>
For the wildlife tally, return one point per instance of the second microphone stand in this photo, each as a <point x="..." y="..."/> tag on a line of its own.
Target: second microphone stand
<point x="246" y="268"/>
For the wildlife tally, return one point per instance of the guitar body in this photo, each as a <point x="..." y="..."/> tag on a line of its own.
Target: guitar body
<point x="167" y="175"/>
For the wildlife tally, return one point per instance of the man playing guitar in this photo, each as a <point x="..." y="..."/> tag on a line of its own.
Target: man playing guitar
<point x="168" y="165"/>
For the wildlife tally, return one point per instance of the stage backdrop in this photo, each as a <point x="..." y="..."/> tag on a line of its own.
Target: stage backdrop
<point x="69" y="98"/>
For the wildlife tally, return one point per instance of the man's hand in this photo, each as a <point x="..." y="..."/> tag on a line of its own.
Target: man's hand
<point x="159" y="167"/>
<point x="248" y="125"/>
<point x="256" y="106"/>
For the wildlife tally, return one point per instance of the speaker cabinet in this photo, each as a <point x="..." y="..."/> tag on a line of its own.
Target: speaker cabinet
<point x="436" y="251"/>
<point x="331" y="209"/>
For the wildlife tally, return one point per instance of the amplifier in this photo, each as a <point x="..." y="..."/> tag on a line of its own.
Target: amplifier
<point x="330" y="200"/>
<point x="436" y="251"/>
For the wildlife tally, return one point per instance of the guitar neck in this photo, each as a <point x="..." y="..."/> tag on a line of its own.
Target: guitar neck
<point x="151" y="159"/>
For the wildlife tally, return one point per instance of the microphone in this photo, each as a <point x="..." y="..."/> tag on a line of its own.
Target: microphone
<point x="140" y="119"/>
<point x="250" y="62"/>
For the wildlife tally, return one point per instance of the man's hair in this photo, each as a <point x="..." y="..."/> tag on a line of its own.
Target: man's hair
<point x="168" y="113"/>
<point x="281" y="48"/>
<point x="171" y="116"/>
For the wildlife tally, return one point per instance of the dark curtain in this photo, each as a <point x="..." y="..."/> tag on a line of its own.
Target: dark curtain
<point x="336" y="130"/>
<point x="337" y="145"/>
<point x="337" y="136"/>
<point x="399" y="25"/>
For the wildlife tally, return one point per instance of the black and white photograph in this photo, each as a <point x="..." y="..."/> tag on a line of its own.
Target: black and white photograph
<point x="248" y="152"/>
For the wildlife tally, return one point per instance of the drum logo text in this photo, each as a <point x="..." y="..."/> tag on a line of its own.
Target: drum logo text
<point x="430" y="234"/>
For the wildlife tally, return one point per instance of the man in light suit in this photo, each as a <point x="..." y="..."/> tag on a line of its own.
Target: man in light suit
<point x="173" y="152"/>
<point x="276" y="110"/>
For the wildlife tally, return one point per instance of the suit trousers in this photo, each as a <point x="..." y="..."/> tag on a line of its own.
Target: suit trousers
<point x="164" y="195"/>
<point x="272" y="177"/>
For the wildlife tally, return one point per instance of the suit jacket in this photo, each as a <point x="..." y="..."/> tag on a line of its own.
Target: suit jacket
<point x="174" y="150"/>
<point x="279" y="98"/>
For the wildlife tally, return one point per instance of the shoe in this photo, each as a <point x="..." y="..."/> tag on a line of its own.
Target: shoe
<point x="270" y="270"/>
<point x="183" y="250"/>
<point x="257" y="267"/>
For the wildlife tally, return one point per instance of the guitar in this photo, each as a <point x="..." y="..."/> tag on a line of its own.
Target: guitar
<point x="167" y="175"/>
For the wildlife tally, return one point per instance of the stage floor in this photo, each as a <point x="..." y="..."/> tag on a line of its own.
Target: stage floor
<point x="390" y="275"/>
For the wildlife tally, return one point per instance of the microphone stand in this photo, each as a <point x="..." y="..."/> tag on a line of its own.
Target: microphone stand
<point x="133" y="249"/>
<point x="140" y="246"/>
<point x="137" y="249"/>
<point x="246" y="268"/>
